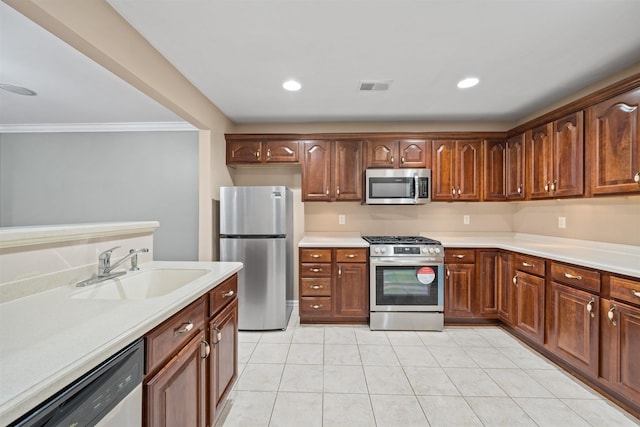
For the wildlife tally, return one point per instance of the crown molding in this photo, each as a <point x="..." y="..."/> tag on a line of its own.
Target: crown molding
<point x="98" y="127"/>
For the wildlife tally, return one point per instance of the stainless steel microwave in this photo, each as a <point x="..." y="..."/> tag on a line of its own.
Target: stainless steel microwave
<point x="398" y="186"/>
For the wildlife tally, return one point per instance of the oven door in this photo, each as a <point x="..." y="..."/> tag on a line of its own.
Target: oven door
<point x="407" y="284"/>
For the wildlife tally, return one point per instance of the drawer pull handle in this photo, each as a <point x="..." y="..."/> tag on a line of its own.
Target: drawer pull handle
<point x="316" y="256"/>
<point x="459" y="192"/>
<point x="207" y="349"/>
<point x="520" y="189"/>
<point x="526" y="264"/>
<point x="515" y="280"/>
<point x="317" y="306"/>
<point x="268" y="153"/>
<point x="571" y="276"/>
<point x="337" y="190"/>
<point x="553" y="185"/>
<point x="258" y="154"/>
<point x="453" y="191"/>
<point x="610" y="315"/>
<point x="636" y="178"/>
<point x="635" y="293"/>
<point x="352" y="255"/>
<point x="590" y="306"/>
<point x="217" y="336"/>
<point x="228" y="294"/>
<point x="315" y="270"/>
<point x="458" y="256"/>
<point x="448" y="272"/>
<point x="391" y="159"/>
<point x="402" y="159"/>
<point x="546" y="186"/>
<point x="186" y="327"/>
<point x="339" y="272"/>
<point x="316" y="286"/>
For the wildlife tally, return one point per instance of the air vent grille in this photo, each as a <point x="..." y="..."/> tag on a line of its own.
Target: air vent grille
<point x="374" y="85"/>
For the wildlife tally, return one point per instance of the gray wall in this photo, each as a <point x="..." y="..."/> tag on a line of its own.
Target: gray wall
<point x="62" y="178"/>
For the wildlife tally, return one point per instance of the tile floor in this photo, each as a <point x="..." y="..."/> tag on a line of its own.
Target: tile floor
<point x="313" y="375"/>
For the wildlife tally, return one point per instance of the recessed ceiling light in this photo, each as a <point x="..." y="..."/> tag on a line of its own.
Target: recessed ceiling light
<point x="468" y="82"/>
<point x="291" y="85"/>
<point x="17" y="89"/>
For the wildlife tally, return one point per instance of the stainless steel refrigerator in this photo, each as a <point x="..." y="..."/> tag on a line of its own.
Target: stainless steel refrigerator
<point x="256" y="228"/>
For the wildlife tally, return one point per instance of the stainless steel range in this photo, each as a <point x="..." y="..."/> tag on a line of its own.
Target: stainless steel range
<point x="406" y="283"/>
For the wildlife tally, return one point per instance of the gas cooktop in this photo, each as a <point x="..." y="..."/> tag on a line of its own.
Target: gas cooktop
<point x="400" y="240"/>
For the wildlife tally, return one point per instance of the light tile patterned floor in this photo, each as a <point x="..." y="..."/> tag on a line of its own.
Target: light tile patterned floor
<point x="350" y="376"/>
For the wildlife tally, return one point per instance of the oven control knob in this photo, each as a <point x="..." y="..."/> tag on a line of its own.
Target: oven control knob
<point x="437" y="250"/>
<point x="424" y="250"/>
<point x="377" y="250"/>
<point x="431" y="250"/>
<point x="383" y="250"/>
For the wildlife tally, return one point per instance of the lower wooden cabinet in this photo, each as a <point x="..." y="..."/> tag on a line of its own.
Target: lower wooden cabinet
<point x="574" y="325"/>
<point x="458" y="290"/>
<point x="223" y="369"/>
<point x="530" y="306"/>
<point x="334" y="288"/>
<point x="506" y="288"/>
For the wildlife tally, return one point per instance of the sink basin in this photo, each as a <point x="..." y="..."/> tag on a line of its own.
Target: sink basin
<point x="142" y="285"/>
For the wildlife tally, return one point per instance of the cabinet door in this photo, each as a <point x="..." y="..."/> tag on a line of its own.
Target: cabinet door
<point x="223" y="366"/>
<point x="506" y="288"/>
<point x="281" y="152"/>
<point x="530" y="306"/>
<point x="348" y="170"/>
<point x="515" y="169"/>
<point x="489" y="272"/>
<point x="316" y="172"/>
<point x="626" y="348"/>
<point x="244" y="152"/>
<point x="495" y="170"/>
<point x="568" y="156"/>
<point x="613" y="145"/>
<point x="176" y="395"/>
<point x="539" y="161"/>
<point x="574" y="327"/>
<point x="458" y="293"/>
<point x="382" y="154"/>
<point x="352" y="291"/>
<point x="444" y="170"/>
<point x="414" y="153"/>
<point x="469" y="164"/>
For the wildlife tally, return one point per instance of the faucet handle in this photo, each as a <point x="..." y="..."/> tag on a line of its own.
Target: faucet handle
<point x="106" y="255"/>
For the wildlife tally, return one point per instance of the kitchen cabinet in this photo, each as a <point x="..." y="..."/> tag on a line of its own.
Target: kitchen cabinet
<point x="333" y="285"/>
<point x="261" y="151"/>
<point x="459" y="283"/>
<point x="332" y="170"/>
<point x="489" y="272"/>
<point x="555" y="158"/>
<point x="223" y="339"/>
<point x="399" y="153"/>
<point x="456" y="166"/>
<point x="574" y="316"/>
<point x="506" y="289"/>
<point x="175" y="385"/>
<point x="515" y="167"/>
<point x="495" y="170"/>
<point x="613" y="145"/>
<point x="529" y="281"/>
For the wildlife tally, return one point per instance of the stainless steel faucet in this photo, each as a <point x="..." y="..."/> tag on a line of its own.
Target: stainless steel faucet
<point x="104" y="261"/>
<point x="105" y="268"/>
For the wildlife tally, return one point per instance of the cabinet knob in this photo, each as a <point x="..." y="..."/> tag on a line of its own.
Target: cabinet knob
<point x="327" y="192"/>
<point x="448" y="273"/>
<point x="258" y="154"/>
<point x="553" y="185"/>
<point x="520" y="189"/>
<point x="546" y="186"/>
<point x="337" y="190"/>
<point x="185" y="327"/>
<point x="352" y="255"/>
<point x="459" y="192"/>
<point x="610" y="315"/>
<point x="268" y="153"/>
<point x="217" y="335"/>
<point x="636" y="178"/>
<point x="402" y="159"/>
<point x="391" y="159"/>
<point x="340" y="271"/>
<point x="590" y="306"/>
<point x="453" y="191"/>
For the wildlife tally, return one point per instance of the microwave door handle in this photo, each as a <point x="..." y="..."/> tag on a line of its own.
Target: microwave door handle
<point x="416" y="183"/>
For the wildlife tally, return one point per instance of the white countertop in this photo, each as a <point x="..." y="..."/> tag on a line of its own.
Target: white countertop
<point x="332" y="240"/>
<point x="49" y="339"/>
<point x="615" y="258"/>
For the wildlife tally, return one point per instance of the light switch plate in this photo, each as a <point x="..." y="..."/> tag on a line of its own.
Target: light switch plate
<point x="341" y="219"/>
<point x="562" y="222"/>
<point x="466" y="219"/>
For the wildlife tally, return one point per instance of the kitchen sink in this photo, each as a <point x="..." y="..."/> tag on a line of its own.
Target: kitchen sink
<point x="142" y="285"/>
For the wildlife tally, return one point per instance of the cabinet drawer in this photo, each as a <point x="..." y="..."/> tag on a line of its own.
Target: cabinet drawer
<point x="223" y="294"/>
<point x="315" y="255"/>
<point x="351" y="255"/>
<point x="530" y="264"/>
<point x="315" y="306"/>
<point x="459" y="256"/>
<point x="169" y="337"/>
<point x="308" y="269"/>
<point x="576" y="276"/>
<point x="625" y="289"/>
<point x="315" y="287"/>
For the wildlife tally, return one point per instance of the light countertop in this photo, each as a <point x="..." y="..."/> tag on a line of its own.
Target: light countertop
<point x="49" y="339"/>
<point x="332" y="240"/>
<point x="615" y="258"/>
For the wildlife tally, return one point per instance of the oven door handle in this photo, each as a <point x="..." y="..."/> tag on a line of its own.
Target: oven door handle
<point x="405" y="261"/>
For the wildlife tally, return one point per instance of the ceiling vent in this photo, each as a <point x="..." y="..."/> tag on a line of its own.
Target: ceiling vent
<point x="375" y="85"/>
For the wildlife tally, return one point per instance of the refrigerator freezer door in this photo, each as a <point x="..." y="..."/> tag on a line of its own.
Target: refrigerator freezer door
<point x="253" y="211"/>
<point x="261" y="282"/>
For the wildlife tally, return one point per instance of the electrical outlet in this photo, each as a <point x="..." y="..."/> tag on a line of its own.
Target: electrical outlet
<point x="466" y="220"/>
<point x="341" y="219"/>
<point x="562" y="222"/>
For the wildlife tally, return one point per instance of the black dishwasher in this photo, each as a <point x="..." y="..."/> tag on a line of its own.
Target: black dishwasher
<point x="94" y="396"/>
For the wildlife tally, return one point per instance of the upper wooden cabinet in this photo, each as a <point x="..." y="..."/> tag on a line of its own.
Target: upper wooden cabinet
<point x="399" y="153"/>
<point x="504" y="168"/>
<point x="456" y="170"/>
<point x="262" y="151"/>
<point x="613" y="145"/>
<point x="555" y="153"/>
<point x="332" y="171"/>
<point x="515" y="167"/>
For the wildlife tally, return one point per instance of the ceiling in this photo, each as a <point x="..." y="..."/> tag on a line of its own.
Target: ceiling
<point x="526" y="53"/>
